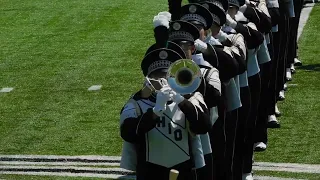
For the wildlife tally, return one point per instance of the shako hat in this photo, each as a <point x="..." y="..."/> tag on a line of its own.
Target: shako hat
<point x="183" y="31"/>
<point x="197" y="14"/>
<point x="159" y="59"/>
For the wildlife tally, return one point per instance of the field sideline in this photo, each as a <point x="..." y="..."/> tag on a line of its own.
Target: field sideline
<point x="51" y="52"/>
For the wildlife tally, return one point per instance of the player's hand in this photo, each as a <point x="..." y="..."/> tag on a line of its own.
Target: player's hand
<point x="177" y="98"/>
<point x="200" y="45"/>
<point x="231" y="22"/>
<point x="222" y="36"/>
<point x="163" y="96"/>
<point x="244" y="7"/>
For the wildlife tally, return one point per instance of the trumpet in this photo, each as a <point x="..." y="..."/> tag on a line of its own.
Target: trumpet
<point x="184" y="76"/>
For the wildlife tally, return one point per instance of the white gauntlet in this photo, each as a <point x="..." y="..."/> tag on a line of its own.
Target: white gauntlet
<point x="177" y="98"/>
<point x="231" y="22"/>
<point x="163" y="96"/>
<point x="200" y="45"/>
<point x="222" y="36"/>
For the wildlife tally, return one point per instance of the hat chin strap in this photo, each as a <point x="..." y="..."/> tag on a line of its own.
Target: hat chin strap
<point x="162" y="81"/>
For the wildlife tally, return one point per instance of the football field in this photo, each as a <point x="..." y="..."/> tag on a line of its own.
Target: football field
<point x="53" y="51"/>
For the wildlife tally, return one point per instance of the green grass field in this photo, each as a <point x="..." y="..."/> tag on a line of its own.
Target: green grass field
<point x="297" y="141"/>
<point x="51" y="52"/>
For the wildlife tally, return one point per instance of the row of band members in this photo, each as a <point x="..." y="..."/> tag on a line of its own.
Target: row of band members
<point x="210" y="133"/>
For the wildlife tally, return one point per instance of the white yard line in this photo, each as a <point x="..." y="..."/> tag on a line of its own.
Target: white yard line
<point x="6" y="90"/>
<point x="114" y="173"/>
<point x="24" y="163"/>
<point x="95" y="88"/>
<point x="272" y="178"/>
<point x="287" y="167"/>
<point x="92" y="175"/>
<point x="113" y="176"/>
<point x="305" y="13"/>
<point x="59" y="157"/>
<point x="65" y="168"/>
<point x="85" y="160"/>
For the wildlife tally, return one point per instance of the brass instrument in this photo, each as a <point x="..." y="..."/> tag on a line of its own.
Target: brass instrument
<point x="184" y="76"/>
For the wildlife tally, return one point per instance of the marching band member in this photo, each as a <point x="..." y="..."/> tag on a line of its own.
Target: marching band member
<point x="273" y="8"/>
<point x="184" y="34"/>
<point x="231" y="42"/>
<point x="253" y="78"/>
<point x="159" y="132"/>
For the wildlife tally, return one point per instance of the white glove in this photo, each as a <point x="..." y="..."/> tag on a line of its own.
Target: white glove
<point x="228" y="29"/>
<point x="240" y="17"/>
<point x="243" y="8"/>
<point x="177" y="98"/>
<point x="166" y="14"/>
<point x="222" y="36"/>
<point x="163" y="96"/>
<point x="254" y="4"/>
<point x="231" y="22"/>
<point x="160" y="20"/>
<point x="215" y="42"/>
<point x="200" y="45"/>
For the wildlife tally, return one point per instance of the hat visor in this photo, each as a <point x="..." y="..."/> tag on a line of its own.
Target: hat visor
<point x="157" y="71"/>
<point x="221" y="15"/>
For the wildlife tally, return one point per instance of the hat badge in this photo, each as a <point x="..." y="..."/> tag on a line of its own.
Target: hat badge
<point x="205" y="5"/>
<point x="192" y="9"/>
<point x="163" y="55"/>
<point x="176" y="26"/>
<point x="218" y="4"/>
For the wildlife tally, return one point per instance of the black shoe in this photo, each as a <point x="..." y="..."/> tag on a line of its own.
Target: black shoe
<point x="278" y="114"/>
<point x="281" y="96"/>
<point x="273" y="122"/>
<point x="273" y="125"/>
<point x="260" y="147"/>
<point x="297" y="62"/>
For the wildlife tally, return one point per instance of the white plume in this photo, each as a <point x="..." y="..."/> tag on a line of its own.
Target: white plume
<point x="160" y="20"/>
<point x="167" y="14"/>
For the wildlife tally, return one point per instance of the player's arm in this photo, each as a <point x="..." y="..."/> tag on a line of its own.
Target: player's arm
<point x="196" y="113"/>
<point x="251" y="35"/>
<point x="236" y="46"/>
<point x="217" y="57"/>
<point x="259" y="18"/>
<point x="228" y="65"/>
<point x="133" y="126"/>
<point x="212" y="87"/>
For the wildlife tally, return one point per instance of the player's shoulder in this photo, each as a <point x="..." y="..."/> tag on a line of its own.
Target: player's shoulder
<point x="131" y="109"/>
<point x="132" y="102"/>
<point x="196" y="98"/>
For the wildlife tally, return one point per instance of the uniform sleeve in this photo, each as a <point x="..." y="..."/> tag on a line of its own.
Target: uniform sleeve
<point x="213" y="87"/>
<point x="238" y="55"/>
<point x="265" y="24"/>
<point x="275" y="16"/>
<point x="210" y="55"/>
<point x="196" y="113"/>
<point x="252" y="37"/>
<point x="261" y="20"/>
<point x="133" y="126"/>
<point x="228" y="65"/>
